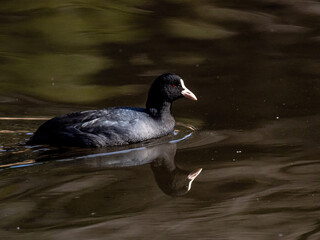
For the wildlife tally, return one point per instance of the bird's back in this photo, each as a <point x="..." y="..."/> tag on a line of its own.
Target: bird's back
<point x="98" y="128"/>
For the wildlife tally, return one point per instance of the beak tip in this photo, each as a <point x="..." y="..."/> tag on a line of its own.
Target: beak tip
<point x="188" y="94"/>
<point x="193" y="98"/>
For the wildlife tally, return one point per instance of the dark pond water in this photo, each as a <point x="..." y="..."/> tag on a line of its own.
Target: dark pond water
<point x="254" y="131"/>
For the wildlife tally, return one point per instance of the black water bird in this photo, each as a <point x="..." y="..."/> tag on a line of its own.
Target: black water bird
<point x="117" y="125"/>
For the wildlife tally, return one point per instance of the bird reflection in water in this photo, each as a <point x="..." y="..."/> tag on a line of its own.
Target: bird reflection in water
<point x="171" y="179"/>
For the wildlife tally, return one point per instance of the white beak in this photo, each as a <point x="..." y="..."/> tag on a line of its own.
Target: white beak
<point x="186" y="92"/>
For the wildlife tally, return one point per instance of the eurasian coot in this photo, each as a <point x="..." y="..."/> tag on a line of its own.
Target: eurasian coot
<point x="118" y="125"/>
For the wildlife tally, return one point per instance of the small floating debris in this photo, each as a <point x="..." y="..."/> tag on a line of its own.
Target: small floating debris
<point x="25" y="118"/>
<point x="23" y="163"/>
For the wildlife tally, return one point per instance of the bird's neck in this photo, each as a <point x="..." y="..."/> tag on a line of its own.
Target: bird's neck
<point x="159" y="109"/>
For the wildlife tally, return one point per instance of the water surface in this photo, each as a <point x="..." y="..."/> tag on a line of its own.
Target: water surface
<point x="254" y="130"/>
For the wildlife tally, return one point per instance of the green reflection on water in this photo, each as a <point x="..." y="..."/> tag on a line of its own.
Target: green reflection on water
<point x="50" y="50"/>
<point x="58" y="77"/>
<point x="196" y="30"/>
<point x="185" y="59"/>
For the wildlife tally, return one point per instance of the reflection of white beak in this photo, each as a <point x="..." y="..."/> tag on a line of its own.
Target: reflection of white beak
<point x="186" y="92"/>
<point x="192" y="176"/>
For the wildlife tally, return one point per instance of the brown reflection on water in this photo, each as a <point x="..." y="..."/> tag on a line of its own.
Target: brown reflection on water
<point x="261" y="183"/>
<point x="255" y="129"/>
